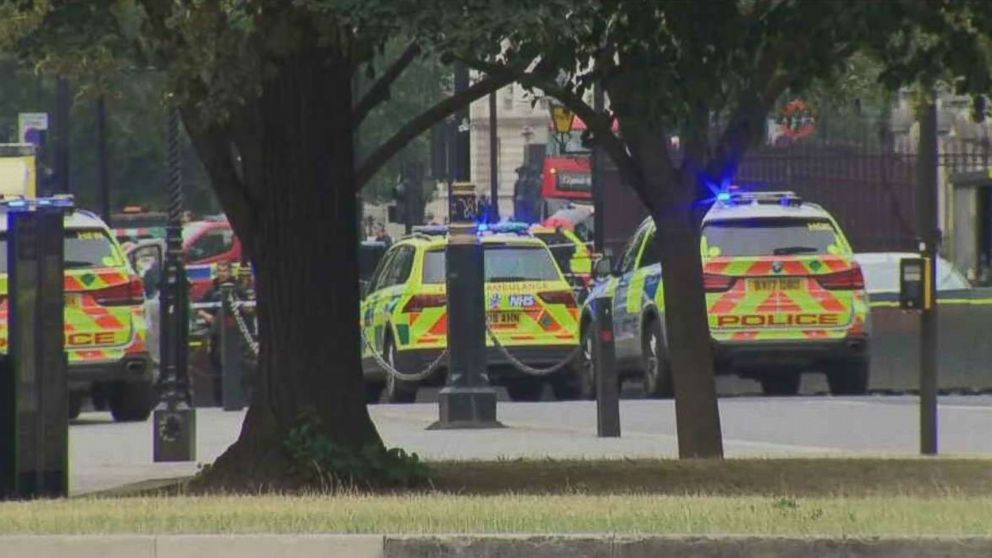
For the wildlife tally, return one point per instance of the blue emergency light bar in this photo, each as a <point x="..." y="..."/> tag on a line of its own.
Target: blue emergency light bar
<point x="20" y="203"/>
<point x="784" y="198"/>
<point x="507" y="227"/>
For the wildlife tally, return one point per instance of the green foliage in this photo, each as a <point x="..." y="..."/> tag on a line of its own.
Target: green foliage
<point x="318" y="461"/>
<point x="425" y="82"/>
<point x="135" y="133"/>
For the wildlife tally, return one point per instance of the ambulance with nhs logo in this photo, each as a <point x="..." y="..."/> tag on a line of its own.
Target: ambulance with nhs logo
<point x="531" y="311"/>
<point x="784" y="296"/>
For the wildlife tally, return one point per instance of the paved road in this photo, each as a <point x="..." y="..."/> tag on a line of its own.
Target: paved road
<point x="105" y="454"/>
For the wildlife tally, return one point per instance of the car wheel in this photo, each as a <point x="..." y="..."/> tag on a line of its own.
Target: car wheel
<point x="848" y="378"/>
<point x="396" y="390"/>
<point x="525" y="389"/>
<point x="578" y="379"/>
<point x="75" y="404"/>
<point x="780" y="383"/>
<point x="132" y="401"/>
<point x="657" y="367"/>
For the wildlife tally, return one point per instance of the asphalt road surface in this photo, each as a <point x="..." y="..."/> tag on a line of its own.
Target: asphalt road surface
<point x="105" y="454"/>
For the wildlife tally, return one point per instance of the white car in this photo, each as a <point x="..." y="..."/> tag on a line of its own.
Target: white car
<point x="881" y="272"/>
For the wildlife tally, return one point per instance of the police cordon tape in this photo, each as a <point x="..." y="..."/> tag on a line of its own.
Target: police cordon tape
<point x="404" y="376"/>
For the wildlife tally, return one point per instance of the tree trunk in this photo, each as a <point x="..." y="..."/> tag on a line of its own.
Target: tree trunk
<point x="305" y="249"/>
<point x="673" y="209"/>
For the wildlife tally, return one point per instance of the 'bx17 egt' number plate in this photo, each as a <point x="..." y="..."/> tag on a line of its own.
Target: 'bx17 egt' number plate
<point x="776" y="284"/>
<point x="502" y="318"/>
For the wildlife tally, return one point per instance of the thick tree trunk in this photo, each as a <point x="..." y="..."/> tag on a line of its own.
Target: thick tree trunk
<point x="304" y="246"/>
<point x="674" y="211"/>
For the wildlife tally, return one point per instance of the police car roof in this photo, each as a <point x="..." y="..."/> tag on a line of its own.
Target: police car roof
<point x="74" y="219"/>
<point x="738" y="204"/>
<point x="720" y="211"/>
<point x="494" y="238"/>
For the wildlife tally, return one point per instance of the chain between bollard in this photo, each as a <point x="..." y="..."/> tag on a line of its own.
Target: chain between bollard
<point x="530" y="370"/>
<point x="404" y="376"/>
<point x="239" y="319"/>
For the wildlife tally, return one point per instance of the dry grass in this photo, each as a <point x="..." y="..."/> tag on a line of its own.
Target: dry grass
<point x="439" y="513"/>
<point x="757" y="496"/>
<point x="731" y="477"/>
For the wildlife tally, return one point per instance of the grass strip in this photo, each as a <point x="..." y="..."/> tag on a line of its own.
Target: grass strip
<point x="441" y="513"/>
<point x="733" y="477"/>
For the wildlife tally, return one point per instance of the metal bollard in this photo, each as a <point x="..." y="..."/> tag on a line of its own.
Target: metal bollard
<point x="231" y="357"/>
<point x="604" y="359"/>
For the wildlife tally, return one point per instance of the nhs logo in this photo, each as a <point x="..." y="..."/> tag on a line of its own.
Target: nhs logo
<point x="521" y="301"/>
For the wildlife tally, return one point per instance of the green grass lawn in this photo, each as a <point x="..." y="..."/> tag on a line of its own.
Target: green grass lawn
<point x="758" y="496"/>
<point x="439" y="513"/>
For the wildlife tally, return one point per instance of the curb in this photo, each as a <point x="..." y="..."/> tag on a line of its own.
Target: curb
<point x="485" y="546"/>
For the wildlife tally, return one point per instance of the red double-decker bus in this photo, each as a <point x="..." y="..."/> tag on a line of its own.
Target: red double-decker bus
<point x="565" y="175"/>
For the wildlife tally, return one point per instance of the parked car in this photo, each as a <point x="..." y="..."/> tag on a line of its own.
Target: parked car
<point x="881" y="272"/>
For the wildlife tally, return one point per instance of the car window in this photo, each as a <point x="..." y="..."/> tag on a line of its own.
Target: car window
<point x="630" y="252"/>
<point x="650" y="255"/>
<point x="399" y="270"/>
<point x="211" y="244"/>
<point x="83" y="248"/>
<point x="381" y="271"/>
<point x="771" y="237"/>
<point x="561" y="247"/>
<point x="503" y="264"/>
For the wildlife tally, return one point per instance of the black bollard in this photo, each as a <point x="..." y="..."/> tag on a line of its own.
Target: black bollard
<point x="468" y="401"/>
<point x="231" y="356"/>
<point x="607" y="386"/>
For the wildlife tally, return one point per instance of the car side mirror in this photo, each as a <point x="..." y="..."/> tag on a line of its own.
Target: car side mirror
<point x="603" y="268"/>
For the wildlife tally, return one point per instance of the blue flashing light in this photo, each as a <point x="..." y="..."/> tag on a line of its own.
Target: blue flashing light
<point x="482" y="227"/>
<point x="17" y="203"/>
<point x="723" y="197"/>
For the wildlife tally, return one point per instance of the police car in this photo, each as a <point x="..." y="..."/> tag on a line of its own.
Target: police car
<point x="783" y="291"/>
<point x="529" y="307"/>
<point x="105" y="328"/>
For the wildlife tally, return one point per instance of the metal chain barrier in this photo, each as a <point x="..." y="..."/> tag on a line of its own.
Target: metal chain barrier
<point x="406" y="377"/>
<point x="246" y="332"/>
<point x="530" y="369"/>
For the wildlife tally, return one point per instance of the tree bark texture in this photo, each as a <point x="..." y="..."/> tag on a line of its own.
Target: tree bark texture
<point x="298" y="168"/>
<point x="671" y="197"/>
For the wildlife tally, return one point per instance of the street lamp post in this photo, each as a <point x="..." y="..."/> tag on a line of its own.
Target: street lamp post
<point x="174" y="421"/>
<point x="468" y="401"/>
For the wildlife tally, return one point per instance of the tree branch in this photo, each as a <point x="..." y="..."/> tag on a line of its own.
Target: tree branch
<point x="379" y="91"/>
<point x="213" y="147"/>
<point x="601" y="125"/>
<point x="422" y="123"/>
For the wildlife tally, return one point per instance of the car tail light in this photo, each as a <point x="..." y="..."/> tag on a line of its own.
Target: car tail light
<point x="714" y="283"/>
<point x="559" y="297"/>
<point x="417" y="303"/>
<point x="131" y="293"/>
<point x="850" y="279"/>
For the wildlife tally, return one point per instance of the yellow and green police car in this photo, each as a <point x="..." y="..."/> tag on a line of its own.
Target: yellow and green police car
<point x="105" y="328"/>
<point x="530" y="308"/>
<point x="783" y="291"/>
<point x="572" y="254"/>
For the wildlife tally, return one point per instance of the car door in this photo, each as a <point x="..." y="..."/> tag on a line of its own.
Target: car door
<point x="625" y="326"/>
<point x="645" y="289"/>
<point x="371" y="303"/>
<point x="391" y="293"/>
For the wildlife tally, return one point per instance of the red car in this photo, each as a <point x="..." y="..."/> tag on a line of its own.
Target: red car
<point x="204" y="244"/>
